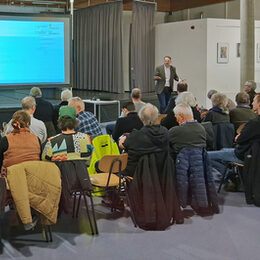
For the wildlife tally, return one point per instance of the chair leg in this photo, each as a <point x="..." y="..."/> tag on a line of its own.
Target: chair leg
<point x="77" y="211"/>
<point x="223" y="178"/>
<point x="74" y="204"/>
<point x="87" y="210"/>
<point x="93" y="212"/>
<point x="46" y="233"/>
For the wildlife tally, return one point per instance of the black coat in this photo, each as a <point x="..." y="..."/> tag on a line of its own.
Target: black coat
<point x="251" y="174"/>
<point x="152" y="195"/>
<point x="74" y="177"/>
<point x="126" y="125"/>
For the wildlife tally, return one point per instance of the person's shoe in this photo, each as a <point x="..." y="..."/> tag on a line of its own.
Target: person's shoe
<point x="106" y="202"/>
<point x="30" y="226"/>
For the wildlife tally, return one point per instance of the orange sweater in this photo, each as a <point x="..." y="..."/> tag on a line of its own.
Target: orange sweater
<point x="22" y="146"/>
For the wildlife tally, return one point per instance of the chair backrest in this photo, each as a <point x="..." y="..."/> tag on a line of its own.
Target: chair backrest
<point x="117" y="162"/>
<point x="103" y="145"/>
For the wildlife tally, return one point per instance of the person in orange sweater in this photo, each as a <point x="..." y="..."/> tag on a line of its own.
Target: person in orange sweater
<point x="20" y="145"/>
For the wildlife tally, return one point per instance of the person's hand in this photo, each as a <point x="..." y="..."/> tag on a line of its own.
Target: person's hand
<point x="157" y="78"/>
<point x="121" y="142"/>
<point x="237" y="137"/>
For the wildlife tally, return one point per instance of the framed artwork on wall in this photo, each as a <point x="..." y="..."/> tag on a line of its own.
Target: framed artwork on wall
<point x="222" y="52"/>
<point x="258" y="52"/>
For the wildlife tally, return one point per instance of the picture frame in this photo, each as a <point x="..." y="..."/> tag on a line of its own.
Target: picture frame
<point x="222" y="52"/>
<point x="258" y="52"/>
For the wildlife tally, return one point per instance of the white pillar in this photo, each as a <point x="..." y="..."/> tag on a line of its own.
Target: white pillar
<point x="247" y="41"/>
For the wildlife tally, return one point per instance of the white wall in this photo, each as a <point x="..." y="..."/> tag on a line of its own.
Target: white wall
<point x="226" y="77"/>
<point x="187" y="48"/>
<point x="194" y="54"/>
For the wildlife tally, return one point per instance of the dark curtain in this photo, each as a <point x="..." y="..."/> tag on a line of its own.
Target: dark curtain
<point x="98" y="48"/>
<point x="142" y="46"/>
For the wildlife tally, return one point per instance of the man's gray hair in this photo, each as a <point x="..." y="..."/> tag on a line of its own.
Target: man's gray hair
<point x="149" y="114"/>
<point x="136" y="93"/>
<point x="219" y="100"/>
<point x="65" y="95"/>
<point x="28" y="103"/>
<point x="186" y="98"/>
<point x="251" y="84"/>
<point x="211" y="93"/>
<point x="183" y="109"/>
<point x="77" y="101"/>
<point x="242" y="98"/>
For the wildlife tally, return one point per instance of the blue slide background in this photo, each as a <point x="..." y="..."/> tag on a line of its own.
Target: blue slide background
<point x="31" y="52"/>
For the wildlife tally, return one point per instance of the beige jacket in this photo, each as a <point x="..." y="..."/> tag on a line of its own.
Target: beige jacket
<point x="35" y="184"/>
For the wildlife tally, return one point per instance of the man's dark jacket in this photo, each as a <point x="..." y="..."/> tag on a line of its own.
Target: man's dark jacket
<point x="251" y="174"/>
<point x="195" y="183"/>
<point x="249" y="134"/>
<point x="126" y="125"/>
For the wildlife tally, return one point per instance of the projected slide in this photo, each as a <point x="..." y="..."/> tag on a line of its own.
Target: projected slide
<point x="31" y="52"/>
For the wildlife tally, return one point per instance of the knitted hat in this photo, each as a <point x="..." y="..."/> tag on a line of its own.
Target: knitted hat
<point x="67" y="111"/>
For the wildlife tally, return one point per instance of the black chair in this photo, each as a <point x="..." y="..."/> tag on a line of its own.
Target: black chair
<point x="76" y="184"/>
<point x="235" y="169"/>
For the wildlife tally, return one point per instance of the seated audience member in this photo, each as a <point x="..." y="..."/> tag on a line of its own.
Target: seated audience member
<point x="150" y="138"/>
<point x="189" y="133"/>
<point x="20" y="145"/>
<point x="71" y="151"/>
<point x="249" y="134"/>
<point x="44" y="111"/>
<point x="69" y="144"/>
<point x="128" y="123"/>
<point x="242" y="113"/>
<point x="152" y="191"/>
<point x="219" y="112"/>
<point x="184" y="98"/>
<point x="37" y="127"/>
<point x="195" y="183"/>
<point x="64" y="96"/>
<point x="88" y="123"/>
<point x="249" y="88"/>
<point x="169" y="121"/>
<point x="136" y="96"/>
<point x="230" y="103"/>
<point x="138" y="103"/>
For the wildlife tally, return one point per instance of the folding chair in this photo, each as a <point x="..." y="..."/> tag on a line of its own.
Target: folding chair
<point x="234" y="166"/>
<point x="110" y="165"/>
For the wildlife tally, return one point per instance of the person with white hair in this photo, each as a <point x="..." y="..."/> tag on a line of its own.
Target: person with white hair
<point x="37" y="127"/>
<point x="88" y="123"/>
<point x="249" y="88"/>
<point x="189" y="133"/>
<point x="152" y="194"/>
<point x="219" y="112"/>
<point x="149" y="138"/>
<point x="44" y="111"/>
<point x="65" y="95"/>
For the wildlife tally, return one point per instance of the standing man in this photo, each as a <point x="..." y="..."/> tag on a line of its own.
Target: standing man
<point x="164" y="77"/>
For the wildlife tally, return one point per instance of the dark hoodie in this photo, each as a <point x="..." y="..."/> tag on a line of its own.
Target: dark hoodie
<point x="149" y="139"/>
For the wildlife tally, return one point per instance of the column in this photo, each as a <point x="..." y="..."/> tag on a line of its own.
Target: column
<point x="247" y="42"/>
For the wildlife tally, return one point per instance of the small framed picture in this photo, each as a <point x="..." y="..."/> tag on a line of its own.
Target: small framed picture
<point x="222" y="52"/>
<point x="258" y="52"/>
